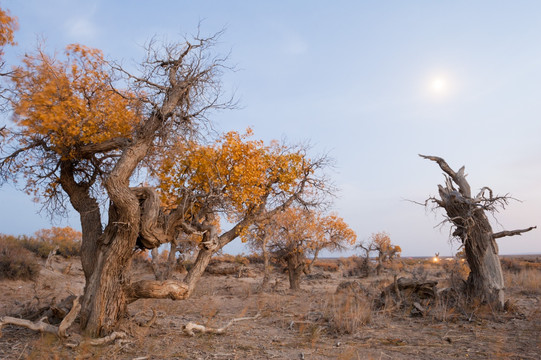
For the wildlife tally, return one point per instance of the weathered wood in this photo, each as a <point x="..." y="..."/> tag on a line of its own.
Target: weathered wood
<point x="42" y="326"/>
<point x="191" y="328"/>
<point x="168" y="289"/>
<point x="473" y="228"/>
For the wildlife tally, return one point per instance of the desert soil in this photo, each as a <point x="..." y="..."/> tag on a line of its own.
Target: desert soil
<point x="290" y="325"/>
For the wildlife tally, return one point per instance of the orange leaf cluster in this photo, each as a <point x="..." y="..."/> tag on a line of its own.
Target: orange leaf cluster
<point x="303" y="231"/>
<point x="386" y="250"/>
<point x="234" y="175"/>
<point x="71" y="103"/>
<point x="8" y="25"/>
<point x="58" y="234"/>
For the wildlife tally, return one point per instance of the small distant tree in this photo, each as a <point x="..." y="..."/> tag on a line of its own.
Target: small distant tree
<point x="380" y="243"/>
<point x="242" y="180"/>
<point x="334" y="235"/>
<point x="295" y="233"/>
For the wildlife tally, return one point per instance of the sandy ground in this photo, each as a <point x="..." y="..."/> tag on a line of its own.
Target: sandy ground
<point x="290" y="325"/>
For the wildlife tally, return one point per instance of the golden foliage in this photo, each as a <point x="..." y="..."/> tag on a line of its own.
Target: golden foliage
<point x="67" y="239"/>
<point x="71" y="103"/>
<point x="59" y="235"/>
<point x="8" y="25"/>
<point x="234" y="175"/>
<point x="303" y="231"/>
<point x="336" y="233"/>
<point x="386" y="250"/>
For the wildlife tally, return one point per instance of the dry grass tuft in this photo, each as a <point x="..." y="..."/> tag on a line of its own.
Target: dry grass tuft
<point x="527" y="281"/>
<point x="347" y="311"/>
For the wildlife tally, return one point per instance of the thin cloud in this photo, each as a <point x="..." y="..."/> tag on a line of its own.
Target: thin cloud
<point x="81" y="29"/>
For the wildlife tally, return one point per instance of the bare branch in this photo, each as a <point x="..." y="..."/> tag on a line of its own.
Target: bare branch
<point x="42" y="326"/>
<point x="459" y="178"/>
<point x="191" y="328"/>
<point x="512" y="232"/>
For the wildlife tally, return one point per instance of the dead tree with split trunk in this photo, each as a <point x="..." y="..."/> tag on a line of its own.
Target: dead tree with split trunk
<point x="471" y="226"/>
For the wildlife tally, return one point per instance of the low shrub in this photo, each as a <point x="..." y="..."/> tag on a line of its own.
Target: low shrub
<point x="16" y="262"/>
<point x="255" y="259"/>
<point x="510" y="265"/>
<point x="230" y="259"/>
<point x="355" y="266"/>
<point x="326" y="265"/>
<point x="456" y="272"/>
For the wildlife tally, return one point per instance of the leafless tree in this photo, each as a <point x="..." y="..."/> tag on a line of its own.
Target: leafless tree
<point x="471" y="226"/>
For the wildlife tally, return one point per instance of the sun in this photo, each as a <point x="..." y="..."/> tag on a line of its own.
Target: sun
<point x="438" y="85"/>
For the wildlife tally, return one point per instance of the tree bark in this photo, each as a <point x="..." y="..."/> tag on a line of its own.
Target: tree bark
<point x="89" y="213"/>
<point x="167" y="289"/>
<point x="266" y="264"/>
<point x="308" y="269"/>
<point x="105" y="299"/>
<point x="171" y="261"/>
<point x="209" y="245"/>
<point x="295" y="268"/>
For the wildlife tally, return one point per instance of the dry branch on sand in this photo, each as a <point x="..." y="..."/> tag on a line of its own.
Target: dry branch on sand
<point x="42" y="326"/>
<point x="61" y="329"/>
<point x="191" y="328"/>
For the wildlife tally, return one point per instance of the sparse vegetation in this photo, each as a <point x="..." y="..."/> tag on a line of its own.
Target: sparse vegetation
<point x="325" y="265"/>
<point x="66" y="241"/>
<point x="83" y="131"/>
<point x="356" y="316"/>
<point x="16" y="262"/>
<point x="347" y="312"/>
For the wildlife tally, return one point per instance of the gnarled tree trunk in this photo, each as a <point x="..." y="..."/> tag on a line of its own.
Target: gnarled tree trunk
<point x="472" y="227"/>
<point x="295" y="269"/>
<point x="105" y="299"/>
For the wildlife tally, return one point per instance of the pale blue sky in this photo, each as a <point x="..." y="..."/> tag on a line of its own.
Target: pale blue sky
<point x="359" y="80"/>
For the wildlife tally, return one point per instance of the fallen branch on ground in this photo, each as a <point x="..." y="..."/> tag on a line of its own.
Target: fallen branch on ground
<point x="62" y="328"/>
<point x="150" y="322"/>
<point x="42" y="326"/>
<point x="191" y="328"/>
<point x="101" y="341"/>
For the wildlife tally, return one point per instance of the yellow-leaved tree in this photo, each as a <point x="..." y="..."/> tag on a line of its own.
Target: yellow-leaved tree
<point x="238" y="179"/>
<point x="381" y="244"/>
<point x="295" y="233"/>
<point x="82" y="127"/>
<point x="8" y="24"/>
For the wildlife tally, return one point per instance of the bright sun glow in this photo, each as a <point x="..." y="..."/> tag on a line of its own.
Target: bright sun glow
<point x="439" y="85"/>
